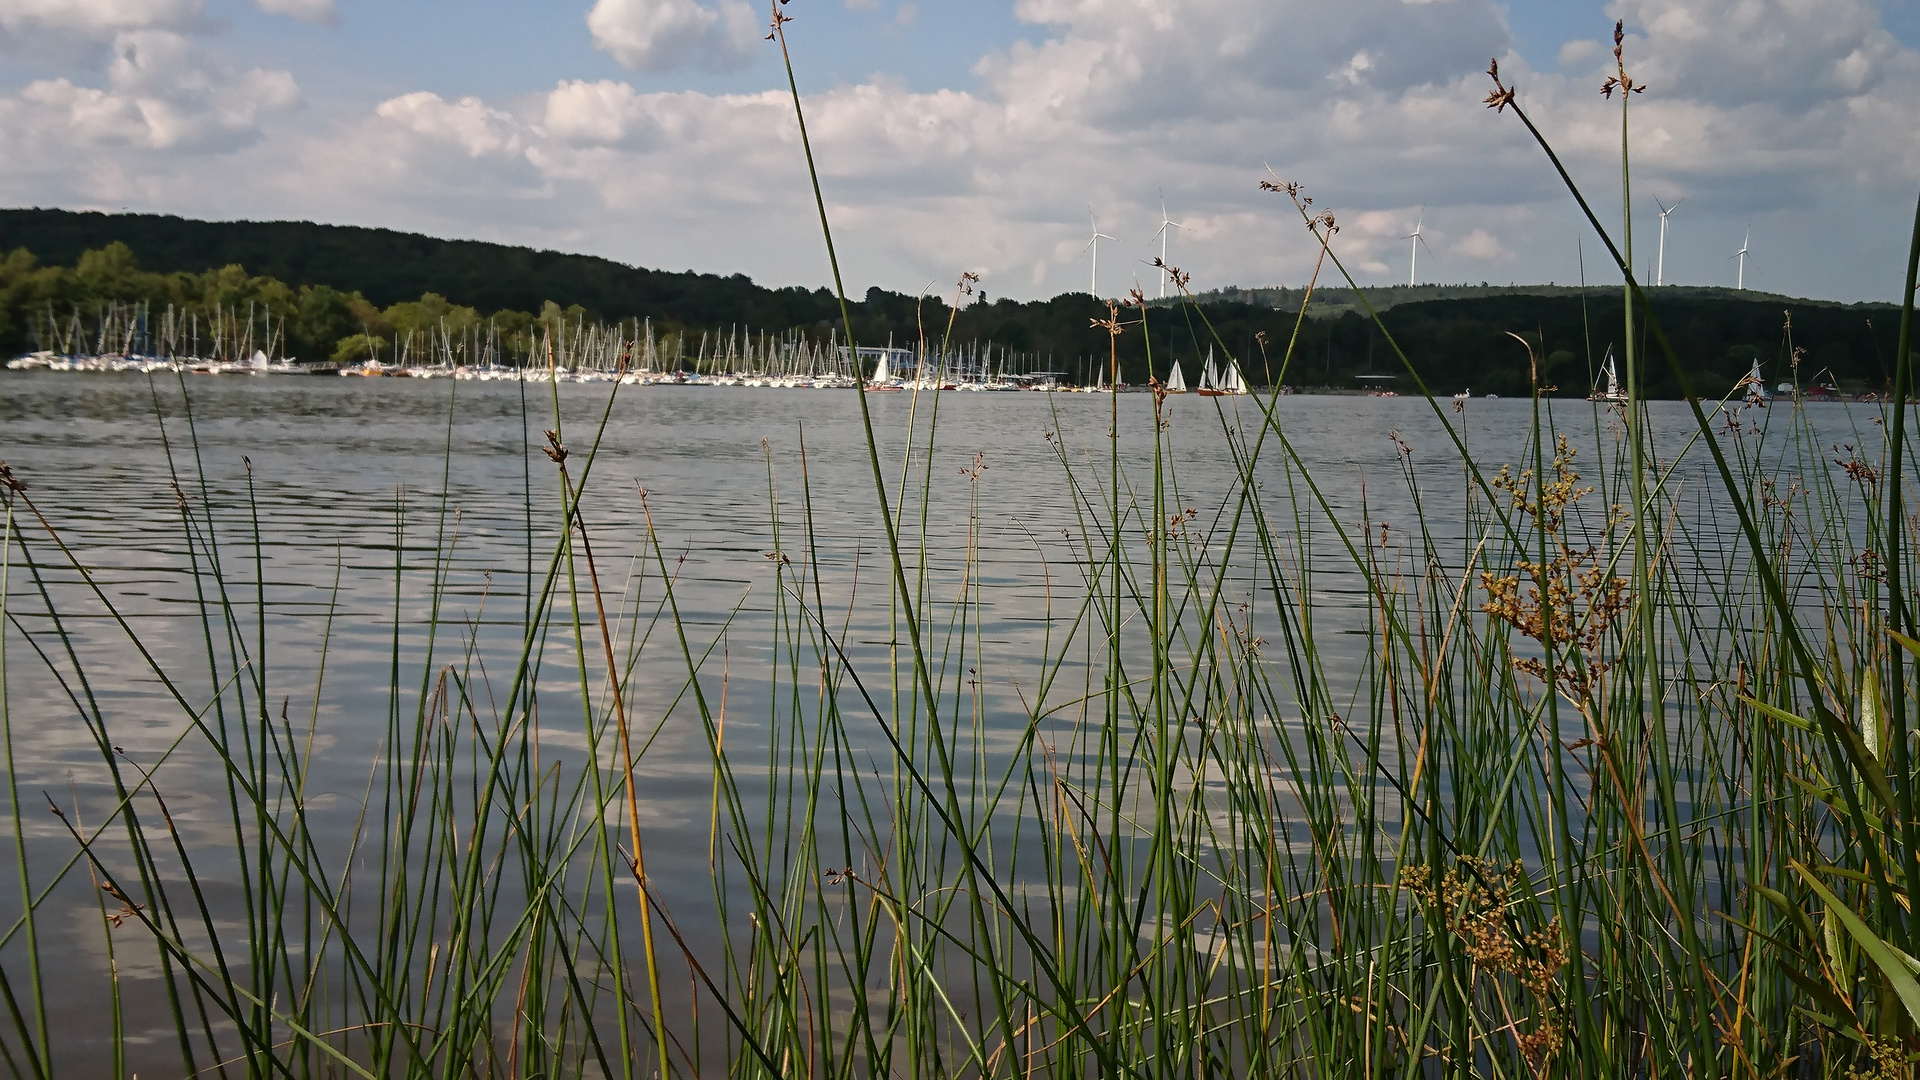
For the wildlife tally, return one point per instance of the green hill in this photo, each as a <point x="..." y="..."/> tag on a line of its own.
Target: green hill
<point x="388" y="267"/>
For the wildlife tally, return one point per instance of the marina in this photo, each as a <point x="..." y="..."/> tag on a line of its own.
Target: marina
<point x="131" y="338"/>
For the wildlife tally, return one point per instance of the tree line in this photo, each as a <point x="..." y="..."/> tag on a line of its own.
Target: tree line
<point x="346" y="292"/>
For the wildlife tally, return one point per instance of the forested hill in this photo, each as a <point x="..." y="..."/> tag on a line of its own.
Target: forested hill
<point x="388" y="267"/>
<point x="339" y="288"/>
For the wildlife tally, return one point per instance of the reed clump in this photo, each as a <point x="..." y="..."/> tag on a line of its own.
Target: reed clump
<point x="1595" y="763"/>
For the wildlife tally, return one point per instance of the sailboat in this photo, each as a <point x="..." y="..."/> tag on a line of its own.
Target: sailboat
<point x="1220" y="382"/>
<point x="1176" y="382"/>
<point x="1611" y="394"/>
<point x="883" y="381"/>
<point x="1233" y="383"/>
<point x="1756" y="386"/>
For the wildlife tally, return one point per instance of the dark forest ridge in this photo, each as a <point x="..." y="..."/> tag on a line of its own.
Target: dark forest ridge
<point x="1383" y="297"/>
<point x="387" y="267"/>
<point x="338" y="285"/>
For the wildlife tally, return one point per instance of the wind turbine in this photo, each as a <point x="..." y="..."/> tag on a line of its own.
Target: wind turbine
<point x="1093" y="245"/>
<point x="1165" y="224"/>
<point x="1413" y="268"/>
<point x="1745" y="243"/>
<point x="1660" y="265"/>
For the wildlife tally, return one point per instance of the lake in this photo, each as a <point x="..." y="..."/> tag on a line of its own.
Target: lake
<point x="376" y="534"/>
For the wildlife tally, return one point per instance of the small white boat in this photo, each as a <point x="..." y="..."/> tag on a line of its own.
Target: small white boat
<point x="883" y="381"/>
<point x="1610" y="394"/>
<point x="1756" y="386"/>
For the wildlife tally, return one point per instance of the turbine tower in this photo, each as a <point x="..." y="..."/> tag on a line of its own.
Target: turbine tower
<point x="1660" y="264"/>
<point x="1745" y="244"/>
<point x="1093" y="245"/>
<point x="1419" y="241"/>
<point x="1165" y="224"/>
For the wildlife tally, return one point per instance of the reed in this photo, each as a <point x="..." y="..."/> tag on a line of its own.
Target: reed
<point x="1602" y="768"/>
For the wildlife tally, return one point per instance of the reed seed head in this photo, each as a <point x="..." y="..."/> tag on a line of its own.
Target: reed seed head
<point x="1502" y="95"/>
<point x="1620" y="81"/>
<point x="778" y="20"/>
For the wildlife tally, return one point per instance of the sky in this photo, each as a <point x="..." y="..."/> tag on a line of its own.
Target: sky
<point x="992" y="135"/>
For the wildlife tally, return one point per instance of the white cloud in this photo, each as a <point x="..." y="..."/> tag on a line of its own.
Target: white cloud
<point x="591" y="112"/>
<point x="469" y="123"/>
<point x="662" y="35"/>
<point x="1479" y="246"/>
<point x="160" y="95"/>
<point x="1790" y="54"/>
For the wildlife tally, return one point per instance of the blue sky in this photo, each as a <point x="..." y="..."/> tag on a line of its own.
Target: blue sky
<point x="977" y="135"/>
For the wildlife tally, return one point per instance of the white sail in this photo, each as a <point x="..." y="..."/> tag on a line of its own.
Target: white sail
<point x="1176" y="382"/>
<point x="1231" y="381"/>
<point x="1611" y="374"/>
<point x="881" y="374"/>
<point x="1756" y="386"/>
<point x="1209" y="376"/>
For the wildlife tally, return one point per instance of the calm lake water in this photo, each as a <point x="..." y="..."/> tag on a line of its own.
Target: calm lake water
<point x="356" y="485"/>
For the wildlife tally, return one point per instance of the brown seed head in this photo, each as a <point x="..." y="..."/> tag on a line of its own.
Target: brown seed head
<point x="1502" y="95"/>
<point x="780" y="19"/>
